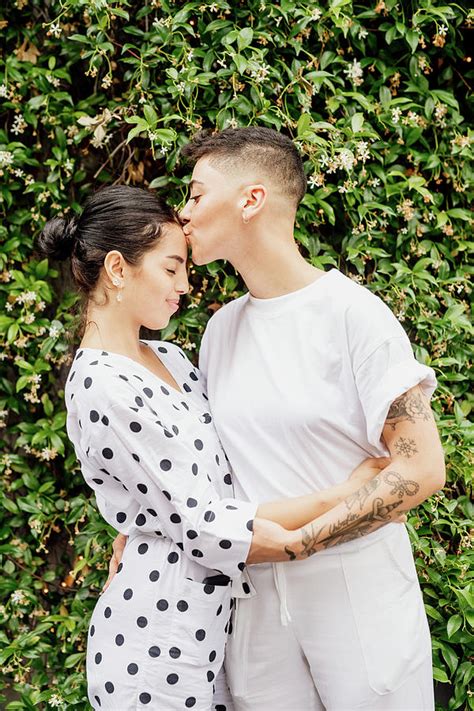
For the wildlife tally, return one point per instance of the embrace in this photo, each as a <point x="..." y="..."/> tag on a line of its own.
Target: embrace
<point x="259" y="500"/>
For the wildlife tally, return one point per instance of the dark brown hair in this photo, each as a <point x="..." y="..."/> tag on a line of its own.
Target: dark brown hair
<point x="119" y="217"/>
<point x="265" y="148"/>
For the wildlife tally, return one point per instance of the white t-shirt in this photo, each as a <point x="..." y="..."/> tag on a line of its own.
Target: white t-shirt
<point x="300" y="385"/>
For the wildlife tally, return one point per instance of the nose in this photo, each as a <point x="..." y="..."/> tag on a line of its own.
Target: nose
<point x="185" y="214"/>
<point x="182" y="286"/>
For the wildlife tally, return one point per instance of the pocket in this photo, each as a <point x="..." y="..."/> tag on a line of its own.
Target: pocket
<point x="388" y="611"/>
<point x="200" y="624"/>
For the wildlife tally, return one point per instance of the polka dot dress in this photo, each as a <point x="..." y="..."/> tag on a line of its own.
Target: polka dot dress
<point x="153" y="458"/>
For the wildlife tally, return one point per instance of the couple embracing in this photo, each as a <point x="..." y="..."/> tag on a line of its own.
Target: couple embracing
<point x="259" y="500"/>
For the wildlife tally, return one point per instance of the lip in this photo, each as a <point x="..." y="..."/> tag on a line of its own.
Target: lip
<point x="174" y="305"/>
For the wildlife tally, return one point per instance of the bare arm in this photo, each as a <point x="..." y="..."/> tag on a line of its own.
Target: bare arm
<point x="415" y="473"/>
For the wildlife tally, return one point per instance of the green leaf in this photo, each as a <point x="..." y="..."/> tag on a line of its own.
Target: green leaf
<point x="244" y="38"/>
<point x="357" y="122"/>
<point x="454" y="623"/>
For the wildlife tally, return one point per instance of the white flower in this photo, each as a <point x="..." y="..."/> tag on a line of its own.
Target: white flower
<point x="48" y="454"/>
<point x="54" y="332"/>
<point x="35" y="378"/>
<point x="346" y="159"/>
<point x="443" y="30"/>
<point x="316" y="14"/>
<point x="396" y="115"/>
<point x="363" y="152"/>
<point x="181" y="85"/>
<point x="53" y="80"/>
<point x="355" y="73"/>
<point x="18" y="597"/>
<point x="9" y="306"/>
<point x="56" y="701"/>
<point x="316" y="180"/>
<point x="55" y="29"/>
<point x="19" y="125"/>
<point x="362" y="33"/>
<point x="260" y="73"/>
<point x="6" y="158"/>
<point x="4" y="91"/>
<point x="164" y="150"/>
<point x="374" y="182"/>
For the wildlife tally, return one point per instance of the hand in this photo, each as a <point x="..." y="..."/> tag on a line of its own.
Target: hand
<point x="118" y="546"/>
<point x="368" y="469"/>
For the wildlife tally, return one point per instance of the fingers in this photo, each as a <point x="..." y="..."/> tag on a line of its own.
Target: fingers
<point x="113" y="565"/>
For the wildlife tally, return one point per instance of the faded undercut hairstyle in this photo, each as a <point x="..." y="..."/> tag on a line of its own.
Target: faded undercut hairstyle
<point x="269" y="151"/>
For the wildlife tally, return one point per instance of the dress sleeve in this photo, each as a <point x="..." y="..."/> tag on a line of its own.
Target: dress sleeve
<point x="158" y="470"/>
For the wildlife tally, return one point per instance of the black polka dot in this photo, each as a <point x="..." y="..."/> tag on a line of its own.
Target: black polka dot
<point x="210" y="676"/>
<point x="142" y="548"/>
<point x="206" y="418"/>
<point x="107" y="453"/>
<point x="145" y="698"/>
<point x="175" y="653"/>
<point x="143" y="488"/>
<point x="212" y="656"/>
<point x="172" y="678"/>
<point x="139" y="401"/>
<point x="165" y="465"/>
<point x="246" y="588"/>
<point x="94" y="416"/>
<point x="220" y="707"/>
<point x="121" y="516"/>
<point x="154" y="651"/>
<point x="120" y="566"/>
<point x="105" y="420"/>
<point x="87" y="383"/>
<point x="136" y="457"/>
<point x="99" y="702"/>
<point x="140" y="520"/>
<point x="109" y="687"/>
<point x="98" y="481"/>
<point x="175" y="518"/>
<point x="162" y="605"/>
<point x="154" y="576"/>
<point x="200" y="635"/>
<point x="219" y="610"/>
<point x="250" y="525"/>
<point x="175" y="429"/>
<point x="173" y="557"/>
<point x="241" y="566"/>
<point x="182" y="605"/>
<point x="164" y="390"/>
<point x="152" y="512"/>
<point x="228" y="479"/>
<point x="191" y="534"/>
<point x="124" y="377"/>
<point x="231" y="508"/>
<point x="193" y="376"/>
<point x="194" y="469"/>
<point x="92" y="631"/>
<point x="135" y="426"/>
<point x="209" y="516"/>
<point x="198" y="444"/>
<point x="107" y="612"/>
<point x="98" y="658"/>
<point x="167" y="494"/>
<point x="217" y="460"/>
<point x="191" y="503"/>
<point x="197" y="553"/>
<point x="190" y="702"/>
<point x="225" y="544"/>
<point x="128" y="594"/>
<point x="148" y="392"/>
<point x="142" y="621"/>
<point x="209" y="589"/>
<point x="132" y="668"/>
<point x="186" y="388"/>
<point x="119" y="640"/>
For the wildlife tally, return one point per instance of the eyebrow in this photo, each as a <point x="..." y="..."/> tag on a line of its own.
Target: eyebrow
<point x="194" y="182"/>
<point x="176" y="257"/>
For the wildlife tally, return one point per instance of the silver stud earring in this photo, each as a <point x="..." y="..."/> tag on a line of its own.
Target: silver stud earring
<point x="115" y="282"/>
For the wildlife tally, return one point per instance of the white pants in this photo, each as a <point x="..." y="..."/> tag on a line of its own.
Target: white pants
<point x="344" y="630"/>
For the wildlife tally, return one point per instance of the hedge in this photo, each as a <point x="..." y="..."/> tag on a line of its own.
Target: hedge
<point x="376" y="97"/>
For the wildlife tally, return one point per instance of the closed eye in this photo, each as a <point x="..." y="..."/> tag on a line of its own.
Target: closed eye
<point x="195" y="197"/>
<point x="171" y="271"/>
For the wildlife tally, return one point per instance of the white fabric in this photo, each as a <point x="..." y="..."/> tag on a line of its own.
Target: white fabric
<point x="343" y="649"/>
<point x="153" y="457"/>
<point x="300" y="386"/>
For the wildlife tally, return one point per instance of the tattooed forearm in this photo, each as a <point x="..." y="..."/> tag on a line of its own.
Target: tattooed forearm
<point x="406" y="447"/>
<point x="361" y="495"/>
<point x="410" y="406"/>
<point x="400" y="486"/>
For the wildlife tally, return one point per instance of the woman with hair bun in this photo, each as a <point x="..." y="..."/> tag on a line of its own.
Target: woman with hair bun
<point x="140" y="423"/>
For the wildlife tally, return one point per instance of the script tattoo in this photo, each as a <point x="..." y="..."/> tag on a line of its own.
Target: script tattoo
<point x="400" y="486"/>
<point x="361" y="495"/>
<point x="410" y="406"/>
<point x="406" y="447"/>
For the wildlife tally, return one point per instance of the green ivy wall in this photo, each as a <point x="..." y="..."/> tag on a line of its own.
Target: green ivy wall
<point x="376" y="96"/>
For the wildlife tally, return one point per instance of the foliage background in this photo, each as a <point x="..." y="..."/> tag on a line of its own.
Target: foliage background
<point x="376" y="95"/>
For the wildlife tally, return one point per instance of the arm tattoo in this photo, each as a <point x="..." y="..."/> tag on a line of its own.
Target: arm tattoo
<point x="409" y="407"/>
<point x="361" y="495"/>
<point x="406" y="447"/>
<point x="400" y="486"/>
<point x="354" y="524"/>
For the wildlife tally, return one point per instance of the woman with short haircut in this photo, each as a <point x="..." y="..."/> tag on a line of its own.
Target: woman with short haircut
<point x="139" y="420"/>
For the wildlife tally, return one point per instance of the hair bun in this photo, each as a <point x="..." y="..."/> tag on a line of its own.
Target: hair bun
<point x="58" y="238"/>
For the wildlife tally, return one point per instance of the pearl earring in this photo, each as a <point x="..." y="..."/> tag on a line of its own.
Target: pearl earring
<point x="115" y="282"/>
<point x="119" y="297"/>
<point x="245" y="218"/>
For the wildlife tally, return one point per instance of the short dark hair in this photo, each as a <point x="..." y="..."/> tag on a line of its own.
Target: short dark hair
<point x="265" y="148"/>
<point x="119" y="217"/>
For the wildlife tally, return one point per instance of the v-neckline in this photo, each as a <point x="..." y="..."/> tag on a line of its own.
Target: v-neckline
<point x="140" y="365"/>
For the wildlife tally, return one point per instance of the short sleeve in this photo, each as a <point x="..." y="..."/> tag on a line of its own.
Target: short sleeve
<point x="156" y="470"/>
<point x="388" y="372"/>
<point x="204" y="353"/>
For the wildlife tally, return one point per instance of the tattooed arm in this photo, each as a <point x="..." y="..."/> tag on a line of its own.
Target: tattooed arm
<point x="415" y="473"/>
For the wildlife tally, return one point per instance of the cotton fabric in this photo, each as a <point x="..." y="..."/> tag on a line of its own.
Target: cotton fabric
<point x="154" y="460"/>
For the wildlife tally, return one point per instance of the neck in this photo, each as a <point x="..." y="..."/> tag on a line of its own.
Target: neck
<point x="108" y="328"/>
<point x="271" y="264"/>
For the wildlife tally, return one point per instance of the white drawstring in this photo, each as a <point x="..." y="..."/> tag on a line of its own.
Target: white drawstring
<point x="280" y="584"/>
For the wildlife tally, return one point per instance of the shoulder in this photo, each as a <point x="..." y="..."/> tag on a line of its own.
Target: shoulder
<point x="170" y="352"/>
<point x="360" y="307"/>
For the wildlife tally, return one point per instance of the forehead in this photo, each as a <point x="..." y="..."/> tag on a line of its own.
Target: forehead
<point x="172" y="242"/>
